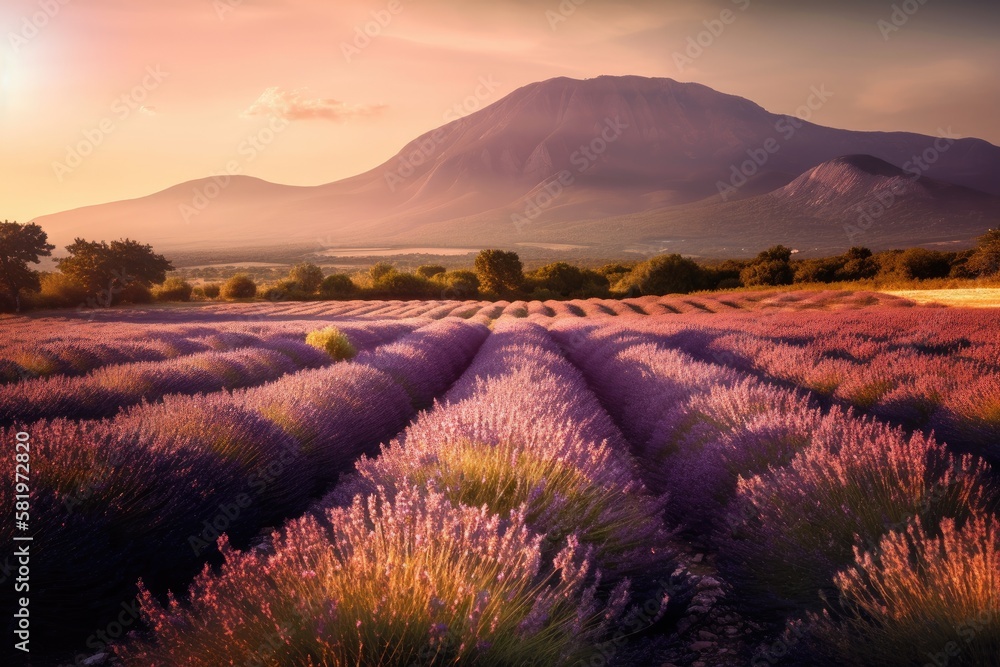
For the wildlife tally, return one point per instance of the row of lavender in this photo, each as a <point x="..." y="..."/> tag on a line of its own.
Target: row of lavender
<point x="887" y="541"/>
<point x="932" y="369"/>
<point x="437" y="309"/>
<point x="111" y="388"/>
<point x="45" y="350"/>
<point x="505" y="527"/>
<point x="59" y="347"/>
<point x="148" y="492"/>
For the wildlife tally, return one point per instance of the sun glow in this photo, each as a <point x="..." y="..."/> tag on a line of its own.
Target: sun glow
<point x="6" y="79"/>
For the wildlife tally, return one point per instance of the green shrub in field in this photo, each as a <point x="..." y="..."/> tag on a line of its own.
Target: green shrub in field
<point x="396" y="285"/>
<point x="307" y="276"/>
<point x="239" y="287"/>
<point x="333" y="341"/>
<point x="173" y="289"/>
<point x="458" y="285"/>
<point x="211" y="290"/>
<point x="666" y="274"/>
<point x="285" y="290"/>
<point x="59" y="291"/>
<point x="135" y="293"/>
<point x="337" y="286"/>
<point x="430" y="271"/>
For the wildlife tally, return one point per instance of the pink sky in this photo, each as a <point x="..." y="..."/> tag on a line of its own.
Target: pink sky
<point x="160" y="93"/>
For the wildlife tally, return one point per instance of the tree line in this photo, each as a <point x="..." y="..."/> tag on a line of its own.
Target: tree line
<point x="93" y="274"/>
<point x="102" y="274"/>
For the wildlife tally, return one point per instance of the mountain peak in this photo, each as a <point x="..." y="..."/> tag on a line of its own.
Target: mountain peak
<point x="567" y="155"/>
<point x="868" y="164"/>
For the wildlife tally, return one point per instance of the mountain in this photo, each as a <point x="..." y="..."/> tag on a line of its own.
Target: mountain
<point x="850" y="200"/>
<point x="609" y="162"/>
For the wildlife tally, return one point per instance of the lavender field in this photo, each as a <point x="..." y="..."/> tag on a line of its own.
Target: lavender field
<point x="759" y="478"/>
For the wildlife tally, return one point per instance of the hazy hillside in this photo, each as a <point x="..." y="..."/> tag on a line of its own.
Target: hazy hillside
<point x="610" y="162"/>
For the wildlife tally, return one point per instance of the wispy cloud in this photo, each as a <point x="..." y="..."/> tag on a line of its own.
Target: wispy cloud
<point x="298" y="105"/>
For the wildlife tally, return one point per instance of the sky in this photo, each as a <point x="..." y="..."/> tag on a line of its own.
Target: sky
<point x="102" y="100"/>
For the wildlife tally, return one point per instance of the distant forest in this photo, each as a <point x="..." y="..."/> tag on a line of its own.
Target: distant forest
<point x="100" y="274"/>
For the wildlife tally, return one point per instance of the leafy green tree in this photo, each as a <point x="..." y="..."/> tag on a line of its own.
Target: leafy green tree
<point x="859" y="264"/>
<point x="778" y="253"/>
<point x="284" y="290"/>
<point x="771" y="267"/>
<point x="380" y="270"/>
<point x="817" y="270"/>
<point x="499" y="271"/>
<point x="767" y="273"/>
<point x="431" y="271"/>
<point x="308" y="276"/>
<point x="615" y="272"/>
<point x="338" y="286"/>
<point x="19" y="246"/>
<point x="458" y="285"/>
<point x="724" y="275"/>
<point x="595" y="284"/>
<point x="985" y="261"/>
<point x="109" y="269"/>
<point x="665" y="274"/>
<point x="397" y="285"/>
<point x="924" y="264"/>
<point x="559" y="277"/>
